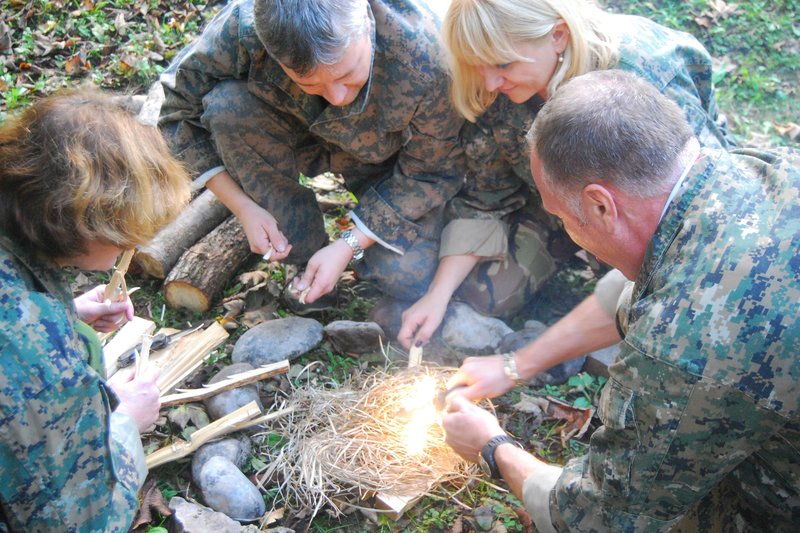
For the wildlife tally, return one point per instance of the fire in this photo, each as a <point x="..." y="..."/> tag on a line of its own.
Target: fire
<point x="421" y="414"/>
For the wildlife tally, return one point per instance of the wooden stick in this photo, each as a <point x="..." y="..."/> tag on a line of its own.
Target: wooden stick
<point x="231" y="382"/>
<point x="144" y="355"/>
<point x="242" y="418"/>
<point x="182" y="364"/>
<point x="129" y="336"/>
<point x="414" y="356"/>
<point x="116" y="286"/>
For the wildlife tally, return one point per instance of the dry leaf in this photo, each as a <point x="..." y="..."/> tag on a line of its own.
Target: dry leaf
<point x="5" y="37"/>
<point x="576" y="419"/>
<point x="254" y="278"/>
<point x="77" y="65"/>
<point x="535" y="405"/>
<point x="152" y="500"/>
<point x="790" y="130"/>
<point x="272" y="516"/>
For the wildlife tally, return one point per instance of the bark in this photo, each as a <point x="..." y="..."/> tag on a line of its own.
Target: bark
<point x="205" y="267"/>
<point x="201" y="216"/>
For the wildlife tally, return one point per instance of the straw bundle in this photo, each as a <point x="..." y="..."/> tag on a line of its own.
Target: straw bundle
<point x="347" y="444"/>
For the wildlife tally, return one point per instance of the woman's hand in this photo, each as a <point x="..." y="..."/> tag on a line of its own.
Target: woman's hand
<point x="139" y="397"/>
<point x="103" y="315"/>
<point x="421" y="320"/>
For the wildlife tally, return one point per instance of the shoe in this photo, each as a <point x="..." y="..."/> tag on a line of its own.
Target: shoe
<point x="323" y="303"/>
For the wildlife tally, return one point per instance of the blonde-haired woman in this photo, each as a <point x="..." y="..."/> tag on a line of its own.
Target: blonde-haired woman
<point x="506" y="58"/>
<point x="80" y="181"/>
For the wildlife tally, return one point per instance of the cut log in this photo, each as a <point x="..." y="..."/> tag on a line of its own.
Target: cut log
<point x="205" y="267"/>
<point x="201" y="216"/>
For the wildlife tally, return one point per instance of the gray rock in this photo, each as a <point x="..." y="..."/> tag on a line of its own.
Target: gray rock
<point x="276" y="340"/>
<point x="553" y="376"/>
<point x="466" y="329"/>
<point x="387" y="313"/>
<point x="225" y="489"/>
<point x="352" y="337"/>
<point x="228" y="401"/>
<point x="597" y="363"/>
<point x="235" y="449"/>
<point x="189" y="517"/>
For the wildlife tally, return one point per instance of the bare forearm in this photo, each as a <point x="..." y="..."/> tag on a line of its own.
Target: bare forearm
<point x="583" y="330"/>
<point x="452" y="271"/>
<point x="229" y="192"/>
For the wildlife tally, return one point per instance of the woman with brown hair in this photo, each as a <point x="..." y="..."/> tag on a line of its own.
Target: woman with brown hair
<point x="80" y="181"/>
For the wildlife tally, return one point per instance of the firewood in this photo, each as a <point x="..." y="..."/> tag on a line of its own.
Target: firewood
<point x="231" y="382"/>
<point x="205" y="267"/>
<point x="129" y="336"/>
<point x="202" y="215"/>
<point x="188" y="355"/>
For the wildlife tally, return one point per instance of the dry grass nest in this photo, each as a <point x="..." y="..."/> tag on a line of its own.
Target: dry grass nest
<point x="379" y="433"/>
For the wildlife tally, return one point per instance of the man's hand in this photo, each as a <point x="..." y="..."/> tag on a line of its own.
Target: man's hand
<point x="323" y="270"/>
<point x="481" y="377"/>
<point x="103" y="315"/>
<point x="421" y="320"/>
<point x="468" y="427"/>
<point x="262" y="232"/>
<point x="139" y="397"/>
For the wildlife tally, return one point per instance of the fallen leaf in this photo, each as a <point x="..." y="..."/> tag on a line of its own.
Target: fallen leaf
<point x="254" y="278"/>
<point x="5" y="37"/>
<point x="76" y="64"/>
<point x="120" y="24"/>
<point x="704" y="21"/>
<point x="152" y="500"/>
<point x="272" y="516"/>
<point x="576" y="419"/>
<point x="535" y="405"/>
<point x="186" y="414"/>
<point x="790" y="130"/>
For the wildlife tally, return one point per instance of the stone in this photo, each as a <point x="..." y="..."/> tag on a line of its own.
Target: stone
<point x="235" y="449"/>
<point x="552" y="376"/>
<point x="276" y="340"/>
<point x="189" y="517"/>
<point x="351" y="337"/>
<point x="228" y="401"/>
<point x="387" y="313"/>
<point x="466" y="329"/>
<point x="597" y="362"/>
<point x="225" y="489"/>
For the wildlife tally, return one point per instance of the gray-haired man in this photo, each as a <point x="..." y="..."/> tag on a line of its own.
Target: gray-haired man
<point x="276" y="88"/>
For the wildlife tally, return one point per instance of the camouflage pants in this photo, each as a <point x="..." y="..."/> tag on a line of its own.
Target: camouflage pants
<point x="501" y="288"/>
<point x="266" y="150"/>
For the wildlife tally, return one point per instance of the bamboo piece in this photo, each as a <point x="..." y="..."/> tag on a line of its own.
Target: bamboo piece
<point x="231" y="382"/>
<point x="116" y="286"/>
<point x="243" y="418"/>
<point x="180" y="364"/>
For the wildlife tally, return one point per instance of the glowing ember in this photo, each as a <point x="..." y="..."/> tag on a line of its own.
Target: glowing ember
<point x="421" y="413"/>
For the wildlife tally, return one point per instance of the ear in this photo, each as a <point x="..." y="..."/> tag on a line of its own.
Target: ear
<point x="599" y="206"/>
<point x="560" y="35"/>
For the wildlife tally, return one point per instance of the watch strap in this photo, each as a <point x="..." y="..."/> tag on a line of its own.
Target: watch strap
<point x="351" y="240"/>
<point x="487" y="452"/>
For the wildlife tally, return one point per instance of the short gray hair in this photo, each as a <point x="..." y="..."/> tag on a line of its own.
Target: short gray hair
<point x="305" y="34"/>
<point x="613" y="127"/>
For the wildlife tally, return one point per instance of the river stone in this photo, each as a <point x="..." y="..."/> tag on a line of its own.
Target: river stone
<point x="189" y="517"/>
<point x="235" y="449"/>
<point x="276" y="340"/>
<point x="228" y="401"/>
<point x="466" y="329"/>
<point x="351" y="337"/>
<point x="553" y="376"/>
<point x="227" y="490"/>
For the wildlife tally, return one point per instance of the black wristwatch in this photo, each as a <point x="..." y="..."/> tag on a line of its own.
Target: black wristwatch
<point x="486" y="458"/>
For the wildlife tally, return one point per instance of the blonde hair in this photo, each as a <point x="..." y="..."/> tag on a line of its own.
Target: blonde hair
<point x="76" y="167"/>
<point x="484" y="32"/>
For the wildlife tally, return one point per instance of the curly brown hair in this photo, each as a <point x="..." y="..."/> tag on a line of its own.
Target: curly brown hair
<point x="76" y="167"/>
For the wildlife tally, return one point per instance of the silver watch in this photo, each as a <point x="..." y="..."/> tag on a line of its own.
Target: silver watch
<point x="352" y="242"/>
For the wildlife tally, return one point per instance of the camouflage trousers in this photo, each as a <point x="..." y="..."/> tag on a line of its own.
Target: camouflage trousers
<point x="535" y="245"/>
<point x="266" y="150"/>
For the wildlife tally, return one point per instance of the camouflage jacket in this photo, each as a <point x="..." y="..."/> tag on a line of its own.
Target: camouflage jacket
<point x="62" y="469"/>
<point x="706" y="388"/>
<point x="401" y="124"/>
<point x="499" y="176"/>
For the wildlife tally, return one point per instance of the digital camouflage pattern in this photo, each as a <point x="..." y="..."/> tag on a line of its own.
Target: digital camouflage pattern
<point x="499" y="178"/>
<point x="61" y="471"/>
<point x="703" y="403"/>
<point x="229" y="103"/>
